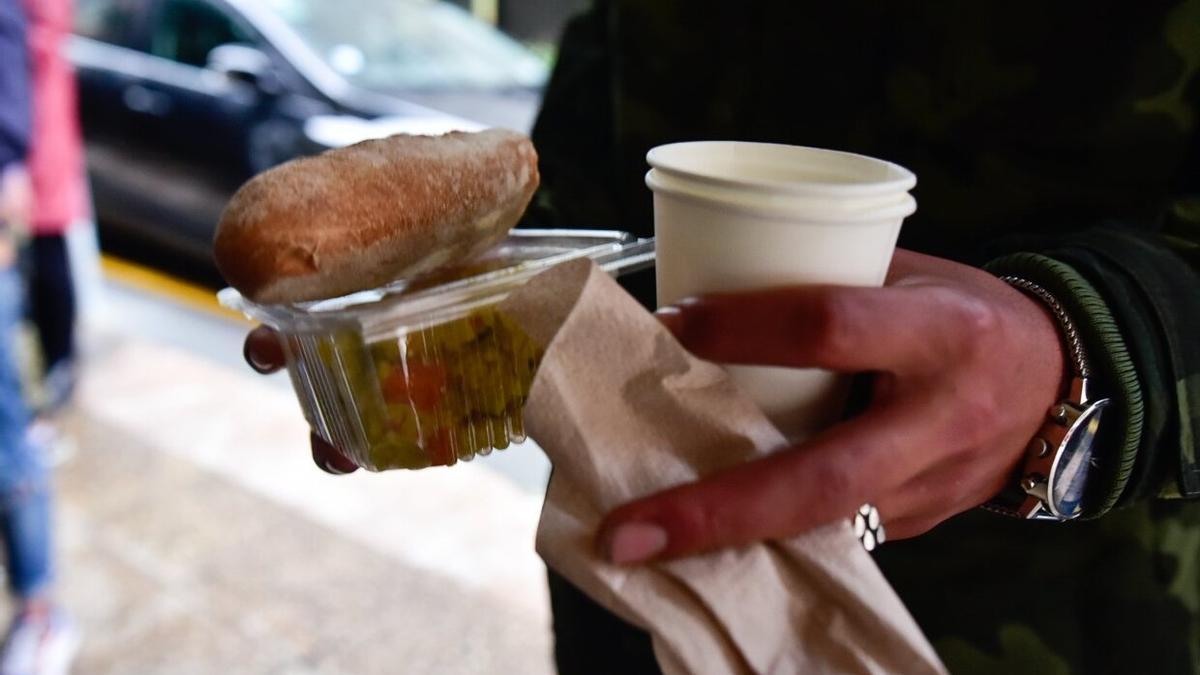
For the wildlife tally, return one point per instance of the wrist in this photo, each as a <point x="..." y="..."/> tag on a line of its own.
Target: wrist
<point x="1072" y="353"/>
<point x="1059" y="457"/>
<point x="1107" y="366"/>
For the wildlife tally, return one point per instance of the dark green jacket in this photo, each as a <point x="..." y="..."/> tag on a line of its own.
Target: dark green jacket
<point x="1065" y="132"/>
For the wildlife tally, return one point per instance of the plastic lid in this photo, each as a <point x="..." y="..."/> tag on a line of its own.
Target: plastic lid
<point x="521" y="256"/>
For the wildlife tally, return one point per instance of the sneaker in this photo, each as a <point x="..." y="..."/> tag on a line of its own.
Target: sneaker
<point x="55" y="445"/>
<point x="40" y="643"/>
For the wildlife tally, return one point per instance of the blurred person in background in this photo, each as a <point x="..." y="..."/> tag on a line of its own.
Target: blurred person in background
<point x="56" y="170"/>
<point x="42" y="638"/>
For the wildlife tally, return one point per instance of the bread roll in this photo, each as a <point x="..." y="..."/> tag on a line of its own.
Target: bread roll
<point x="359" y="217"/>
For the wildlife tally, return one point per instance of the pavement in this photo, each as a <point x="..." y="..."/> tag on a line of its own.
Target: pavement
<point x="196" y="536"/>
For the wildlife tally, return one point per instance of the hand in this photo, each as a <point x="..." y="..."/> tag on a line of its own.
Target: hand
<point x="16" y="196"/>
<point x="264" y="353"/>
<point x="965" y="366"/>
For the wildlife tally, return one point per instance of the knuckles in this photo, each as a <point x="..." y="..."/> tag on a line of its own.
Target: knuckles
<point x="829" y="482"/>
<point x="832" y="334"/>
<point x="974" y="323"/>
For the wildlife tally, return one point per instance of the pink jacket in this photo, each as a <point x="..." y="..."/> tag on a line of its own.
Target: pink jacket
<point x="55" y="161"/>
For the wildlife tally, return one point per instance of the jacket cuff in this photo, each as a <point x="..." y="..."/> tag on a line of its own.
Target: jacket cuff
<point x="1113" y="373"/>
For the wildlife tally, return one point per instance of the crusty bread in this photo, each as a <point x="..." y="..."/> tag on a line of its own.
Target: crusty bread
<point x="361" y="216"/>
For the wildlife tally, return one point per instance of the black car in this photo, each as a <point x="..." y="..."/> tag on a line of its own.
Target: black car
<point x="183" y="100"/>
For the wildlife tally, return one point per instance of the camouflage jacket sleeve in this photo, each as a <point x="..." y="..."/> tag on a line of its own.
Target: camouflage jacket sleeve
<point x="1135" y="296"/>
<point x="1150" y="284"/>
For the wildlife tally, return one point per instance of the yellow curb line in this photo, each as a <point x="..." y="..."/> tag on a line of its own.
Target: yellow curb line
<point x="182" y="292"/>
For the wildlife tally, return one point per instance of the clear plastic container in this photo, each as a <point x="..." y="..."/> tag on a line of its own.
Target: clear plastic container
<point x="428" y="372"/>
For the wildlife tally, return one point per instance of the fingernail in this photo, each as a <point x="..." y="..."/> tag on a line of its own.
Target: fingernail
<point x="635" y="542"/>
<point x="259" y="368"/>
<point x="670" y="317"/>
<point x="328" y="467"/>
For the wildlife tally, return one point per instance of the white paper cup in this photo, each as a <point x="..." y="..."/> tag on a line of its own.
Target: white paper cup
<point x="732" y="216"/>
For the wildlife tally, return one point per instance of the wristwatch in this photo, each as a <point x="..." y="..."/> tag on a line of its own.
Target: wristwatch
<point x="1058" y="459"/>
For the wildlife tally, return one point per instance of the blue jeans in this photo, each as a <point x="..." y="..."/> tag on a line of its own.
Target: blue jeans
<point x="24" y="480"/>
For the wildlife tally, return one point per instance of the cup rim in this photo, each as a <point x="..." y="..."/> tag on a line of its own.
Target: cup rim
<point x="904" y="206"/>
<point x="899" y="179"/>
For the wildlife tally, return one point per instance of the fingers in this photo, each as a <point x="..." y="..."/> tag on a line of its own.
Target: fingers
<point x="778" y="496"/>
<point x="840" y="328"/>
<point x="263" y="351"/>
<point x="16" y="195"/>
<point x="329" y="459"/>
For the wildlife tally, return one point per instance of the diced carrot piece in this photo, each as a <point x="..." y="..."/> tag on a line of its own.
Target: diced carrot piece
<point x="422" y="385"/>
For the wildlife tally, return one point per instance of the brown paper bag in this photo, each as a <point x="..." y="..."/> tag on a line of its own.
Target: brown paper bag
<point x="623" y="410"/>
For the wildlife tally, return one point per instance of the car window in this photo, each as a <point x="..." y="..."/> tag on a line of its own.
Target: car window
<point x="110" y="21"/>
<point x="187" y="30"/>
<point x="410" y="44"/>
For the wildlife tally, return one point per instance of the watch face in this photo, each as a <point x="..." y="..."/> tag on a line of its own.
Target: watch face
<point x="1069" y="474"/>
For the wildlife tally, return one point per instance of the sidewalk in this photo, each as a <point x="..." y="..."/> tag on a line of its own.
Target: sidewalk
<point x="197" y="537"/>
